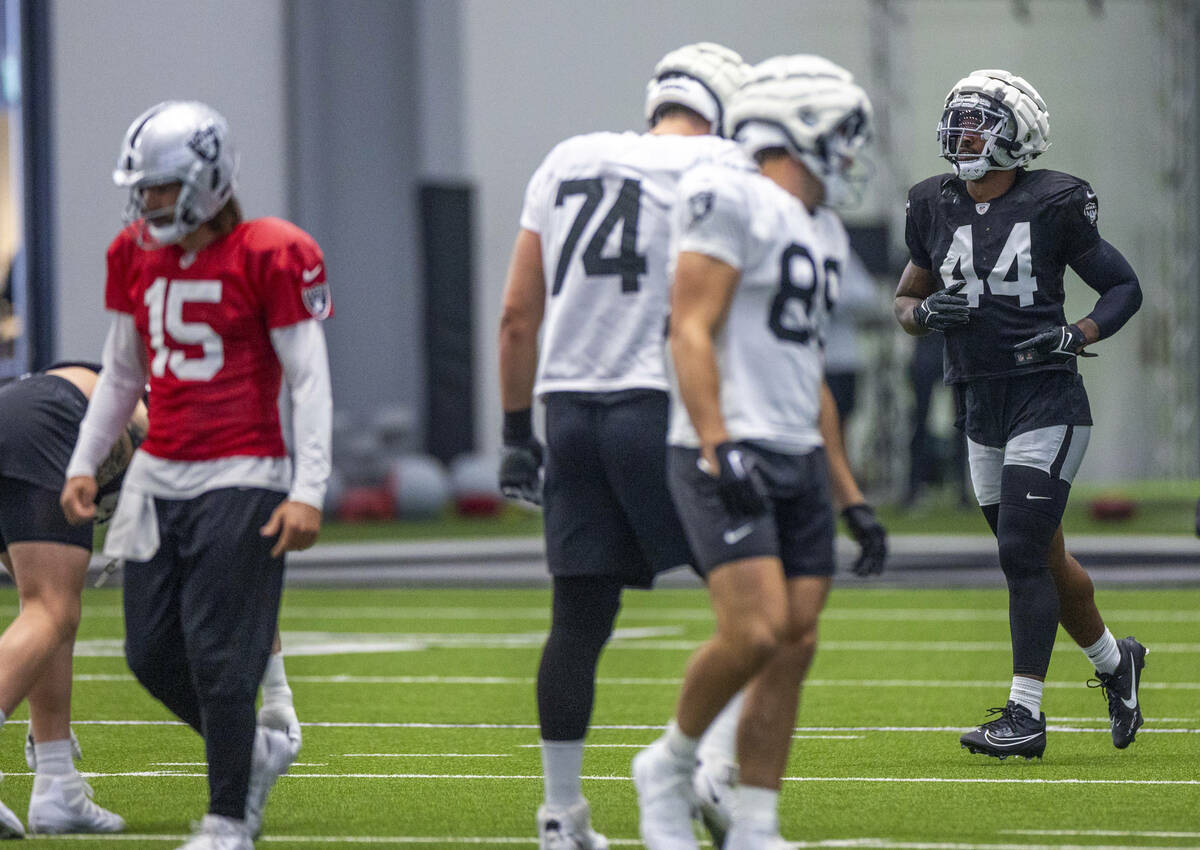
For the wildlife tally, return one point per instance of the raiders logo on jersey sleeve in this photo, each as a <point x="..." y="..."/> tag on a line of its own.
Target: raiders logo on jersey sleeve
<point x="699" y="207"/>
<point x="317" y="300"/>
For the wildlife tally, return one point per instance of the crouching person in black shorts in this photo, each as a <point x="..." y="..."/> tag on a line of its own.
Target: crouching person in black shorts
<point x="48" y="559"/>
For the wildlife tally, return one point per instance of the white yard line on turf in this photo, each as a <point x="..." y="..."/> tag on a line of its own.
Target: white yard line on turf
<point x="460" y="840"/>
<point x="642" y="639"/>
<point x="885" y="780"/>
<point x="308" y="613"/>
<point x="674" y="682"/>
<point x="650" y="727"/>
<point x="427" y="755"/>
<point x="1102" y="833"/>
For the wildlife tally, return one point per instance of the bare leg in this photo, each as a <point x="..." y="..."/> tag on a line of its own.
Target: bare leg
<point x="749" y="599"/>
<point x="769" y="715"/>
<point x="50" y="697"/>
<point x="1077" y="609"/>
<point x="49" y="580"/>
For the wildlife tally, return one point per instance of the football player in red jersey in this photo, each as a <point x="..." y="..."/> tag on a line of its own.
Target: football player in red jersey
<point x="48" y="560"/>
<point x="214" y="311"/>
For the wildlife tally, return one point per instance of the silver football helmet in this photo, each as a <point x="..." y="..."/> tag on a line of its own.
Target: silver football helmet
<point x="700" y="76"/>
<point x="183" y="142"/>
<point x="812" y="108"/>
<point x="1000" y="110"/>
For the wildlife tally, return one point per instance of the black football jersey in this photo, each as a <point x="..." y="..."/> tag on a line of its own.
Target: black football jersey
<point x="1011" y="251"/>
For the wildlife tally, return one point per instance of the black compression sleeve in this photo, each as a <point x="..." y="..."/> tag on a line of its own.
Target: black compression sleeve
<point x="1106" y="270"/>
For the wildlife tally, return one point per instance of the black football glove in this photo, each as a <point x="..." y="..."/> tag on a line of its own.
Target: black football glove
<point x="521" y="471"/>
<point x="739" y="484"/>
<point x="1061" y="344"/>
<point x="871" y="538"/>
<point x="944" y="309"/>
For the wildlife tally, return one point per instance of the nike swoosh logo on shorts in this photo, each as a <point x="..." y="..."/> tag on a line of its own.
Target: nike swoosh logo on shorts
<point x="1031" y="496"/>
<point x="734" y="535"/>
<point x="1132" y="703"/>
<point x="310" y="275"/>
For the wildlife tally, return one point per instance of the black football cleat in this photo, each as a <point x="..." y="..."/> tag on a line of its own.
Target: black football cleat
<point x="1121" y="689"/>
<point x="1013" y="733"/>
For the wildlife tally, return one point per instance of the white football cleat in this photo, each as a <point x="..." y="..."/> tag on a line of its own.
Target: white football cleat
<point x="273" y="754"/>
<point x="281" y="717"/>
<point x="743" y="836"/>
<point x="568" y="829"/>
<point x="715" y="784"/>
<point x="217" y="832"/>
<point x="63" y="804"/>
<point x="665" y="799"/>
<point x="31" y="753"/>
<point x="10" y="824"/>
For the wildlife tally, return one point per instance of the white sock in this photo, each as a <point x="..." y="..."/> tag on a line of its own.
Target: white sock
<point x="720" y="738"/>
<point x="1104" y="654"/>
<point x="275" y="688"/>
<point x="3" y="717"/>
<point x="758" y="806"/>
<point x="1027" y="692"/>
<point x="562" y="762"/>
<point x="54" y="757"/>
<point x="679" y="745"/>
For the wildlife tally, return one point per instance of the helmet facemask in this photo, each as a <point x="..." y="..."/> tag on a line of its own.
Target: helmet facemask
<point x="165" y="225"/>
<point x="976" y="134"/>
<point x="839" y="163"/>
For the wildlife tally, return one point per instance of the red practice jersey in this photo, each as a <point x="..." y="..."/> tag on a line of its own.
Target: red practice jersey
<point x="205" y="320"/>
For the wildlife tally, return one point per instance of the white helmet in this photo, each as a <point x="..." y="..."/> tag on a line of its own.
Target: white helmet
<point x="1005" y="112"/>
<point x="700" y="76"/>
<point x="812" y="108"/>
<point x="181" y="142"/>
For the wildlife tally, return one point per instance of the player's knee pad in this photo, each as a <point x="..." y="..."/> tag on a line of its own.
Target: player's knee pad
<point x="1035" y="491"/>
<point x="584" y="610"/>
<point x="1023" y="537"/>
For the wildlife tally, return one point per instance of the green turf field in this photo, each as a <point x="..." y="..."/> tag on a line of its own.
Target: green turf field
<point x="419" y="719"/>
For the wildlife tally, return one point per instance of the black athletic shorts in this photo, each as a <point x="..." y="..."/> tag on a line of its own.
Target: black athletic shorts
<point x="31" y="513"/>
<point x="993" y="411"/>
<point x="605" y="501"/>
<point x="798" y="527"/>
<point x="40" y="416"/>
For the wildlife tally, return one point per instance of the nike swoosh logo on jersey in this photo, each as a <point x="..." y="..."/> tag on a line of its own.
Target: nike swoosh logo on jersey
<point x="1132" y="703"/>
<point x="1008" y="743"/>
<point x="1031" y="496"/>
<point x="310" y="275"/>
<point x="734" y="535"/>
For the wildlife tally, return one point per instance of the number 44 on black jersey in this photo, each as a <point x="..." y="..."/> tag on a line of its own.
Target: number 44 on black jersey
<point x="1011" y="252"/>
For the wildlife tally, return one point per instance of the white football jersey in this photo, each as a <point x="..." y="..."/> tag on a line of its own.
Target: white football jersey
<point x="769" y="351"/>
<point x="601" y="203"/>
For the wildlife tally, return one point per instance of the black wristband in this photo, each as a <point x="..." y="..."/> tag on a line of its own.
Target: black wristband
<point x="518" y="425"/>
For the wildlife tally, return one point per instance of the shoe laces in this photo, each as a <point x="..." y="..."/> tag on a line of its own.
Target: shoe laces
<point x="1107" y="684"/>
<point x="1004" y="711"/>
<point x="1013" y="715"/>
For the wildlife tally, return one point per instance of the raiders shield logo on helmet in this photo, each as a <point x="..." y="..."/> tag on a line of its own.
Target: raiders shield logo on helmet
<point x="206" y="143"/>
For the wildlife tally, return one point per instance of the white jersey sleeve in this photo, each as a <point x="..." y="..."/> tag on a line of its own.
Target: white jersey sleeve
<point x="601" y="204"/>
<point x="711" y="217"/>
<point x="769" y="351"/>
